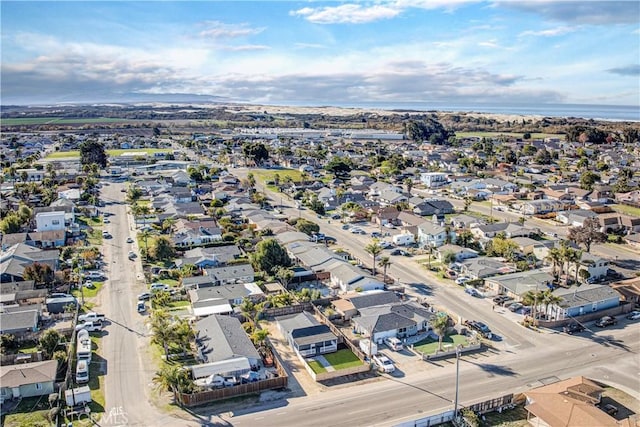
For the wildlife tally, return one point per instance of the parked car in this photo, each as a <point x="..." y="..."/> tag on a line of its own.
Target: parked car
<point x="501" y="299"/>
<point x="132" y="255"/>
<point x="386" y="245"/>
<point x="610" y="409"/>
<point x="145" y="296"/>
<point x="129" y="240"/>
<point x="388" y="225"/>
<point x="515" y="306"/>
<point x="376" y="234"/>
<point x="93" y="275"/>
<point x="155" y="287"/>
<point x="462" y="279"/>
<point x="605" y="321"/>
<point x="218" y="381"/>
<point x="634" y="315"/>
<point x="106" y="221"/>
<point x="383" y="363"/>
<point x="399" y="252"/>
<point x="142" y="307"/>
<point x="92" y="317"/>
<point x="573" y="328"/>
<point x="106" y="235"/>
<point x="479" y="327"/>
<point x="82" y="372"/>
<point x="90" y="326"/>
<point x="393" y="343"/>
<point x="346" y="226"/>
<point x="473" y="292"/>
<point x="335" y="216"/>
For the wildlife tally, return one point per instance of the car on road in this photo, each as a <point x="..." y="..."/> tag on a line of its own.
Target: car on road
<point x="106" y="235"/>
<point x="132" y="255"/>
<point x="90" y="326"/>
<point x="386" y="245"/>
<point x="155" y="287"/>
<point x="383" y="363"/>
<point x="473" y="292"/>
<point x="605" y="321"/>
<point x="501" y="299"/>
<point x="399" y="252"/>
<point x="346" y="226"/>
<point x="357" y="230"/>
<point x="479" y="327"/>
<point x="93" y="275"/>
<point x="106" y="221"/>
<point x="142" y="307"/>
<point x="336" y="216"/>
<point x="573" y="328"/>
<point x="129" y="240"/>
<point x="634" y="315"/>
<point x="145" y="296"/>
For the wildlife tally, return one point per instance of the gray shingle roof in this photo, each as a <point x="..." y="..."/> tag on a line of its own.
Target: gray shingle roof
<point x="222" y="338"/>
<point x="373" y="299"/>
<point x="28" y="373"/>
<point x="312" y="334"/>
<point x="585" y="294"/>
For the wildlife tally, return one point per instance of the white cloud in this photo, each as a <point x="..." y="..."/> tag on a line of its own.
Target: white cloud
<point x="551" y="32"/>
<point x="218" y="30"/>
<point x="246" y="47"/>
<point x="347" y="14"/>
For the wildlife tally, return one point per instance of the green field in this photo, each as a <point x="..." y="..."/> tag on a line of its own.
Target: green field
<point x="628" y="210"/>
<point x="59" y="120"/>
<point x="514" y="134"/>
<point x="112" y="153"/>
<point x="268" y="175"/>
<point x="343" y="359"/>
<point x="430" y="346"/>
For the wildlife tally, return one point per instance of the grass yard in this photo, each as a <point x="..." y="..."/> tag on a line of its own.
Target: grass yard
<point x="88" y="292"/>
<point x="178" y="305"/>
<point x="429" y="346"/>
<point x="170" y="282"/>
<point x="516" y="417"/>
<point x="343" y="359"/>
<point x="269" y="174"/>
<point x="94" y="237"/>
<point x="112" y="153"/>
<point x="31" y="412"/>
<point x="316" y="367"/>
<point x="628" y="210"/>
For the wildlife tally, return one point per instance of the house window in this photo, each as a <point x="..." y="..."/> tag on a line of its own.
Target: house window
<point x="38" y="386"/>
<point x="55" y="222"/>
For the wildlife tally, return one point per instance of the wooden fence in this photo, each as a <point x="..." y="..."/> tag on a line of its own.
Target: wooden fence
<point x="12" y="359"/>
<point x="195" y="399"/>
<point x="324" y="376"/>
<point x="270" y="313"/>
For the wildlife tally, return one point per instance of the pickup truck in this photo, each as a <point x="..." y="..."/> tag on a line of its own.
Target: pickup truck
<point x="92" y="317"/>
<point x="90" y="326"/>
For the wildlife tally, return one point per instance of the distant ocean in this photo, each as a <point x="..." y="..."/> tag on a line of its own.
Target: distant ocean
<point x="585" y="111"/>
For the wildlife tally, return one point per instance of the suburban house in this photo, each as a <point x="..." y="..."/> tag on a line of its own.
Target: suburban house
<point x="517" y="284"/>
<point x="221" y="299"/>
<point x="481" y="267"/>
<point x="221" y="338"/>
<point x="37" y="239"/>
<point x="629" y="289"/>
<point x="568" y="403"/>
<point x="235" y="273"/>
<point x="16" y="258"/>
<point x="433" y="179"/>
<point x="431" y="235"/>
<point x="306" y="335"/>
<point x="21" y="321"/>
<point x="460" y="253"/>
<point x="596" y="266"/>
<point x="214" y="256"/>
<point x="431" y="207"/>
<point x="48" y="221"/>
<point x="583" y="300"/>
<point x="575" y="218"/>
<point x="21" y="293"/>
<point x="349" y="305"/>
<point x="27" y="379"/>
<point x="350" y="278"/>
<point x="392" y="320"/>
<point x="509" y="229"/>
<point x="190" y="236"/>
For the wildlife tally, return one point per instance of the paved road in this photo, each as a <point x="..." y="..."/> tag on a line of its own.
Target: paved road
<point x="128" y="388"/>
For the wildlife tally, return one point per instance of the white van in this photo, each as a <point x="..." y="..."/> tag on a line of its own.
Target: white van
<point x="82" y="372"/>
<point x="393" y="343"/>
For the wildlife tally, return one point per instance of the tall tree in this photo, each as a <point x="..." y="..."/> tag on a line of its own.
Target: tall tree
<point x="173" y="378"/>
<point x="93" y="152"/>
<point x="374" y="249"/>
<point x="440" y="323"/>
<point x="385" y="263"/>
<point x="269" y="255"/>
<point x="163" y="249"/>
<point x="587" y="234"/>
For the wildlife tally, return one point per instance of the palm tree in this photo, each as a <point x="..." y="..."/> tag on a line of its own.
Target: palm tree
<point x="173" y="378"/>
<point x="577" y="262"/>
<point x="384" y="263"/>
<point x="248" y="310"/>
<point x="571" y="256"/>
<point x="532" y="298"/>
<point x="259" y="336"/>
<point x="439" y="324"/>
<point x="160" y="322"/>
<point x="548" y="298"/>
<point x="167" y="225"/>
<point x="374" y="249"/>
<point x="555" y="256"/>
<point x="145" y="234"/>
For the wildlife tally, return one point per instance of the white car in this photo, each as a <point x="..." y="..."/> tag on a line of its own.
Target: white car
<point x="634" y="315"/>
<point x="94" y="275"/>
<point x="384" y="364"/>
<point x="462" y="280"/>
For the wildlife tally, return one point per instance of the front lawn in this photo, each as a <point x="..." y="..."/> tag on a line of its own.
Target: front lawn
<point x="31" y="412"/>
<point x="429" y="345"/>
<point x="628" y="210"/>
<point x="178" y="305"/>
<point x="88" y="292"/>
<point x="343" y="359"/>
<point x="316" y="366"/>
<point x="94" y="237"/>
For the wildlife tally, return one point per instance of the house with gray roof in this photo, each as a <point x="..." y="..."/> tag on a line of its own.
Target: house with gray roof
<point x="431" y="235"/>
<point x="509" y="229"/>
<point x="215" y="256"/>
<point x="517" y="284"/>
<point x="28" y="379"/>
<point x="348" y="277"/>
<point x="392" y="320"/>
<point x="235" y="273"/>
<point x="21" y="322"/>
<point x="583" y="300"/>
<point x="221" y="338"/>
<point x="460" y="253"/>
<point x="16" y="258"/>
<point x="481" y="267"/>
<point x="221" y="299"/>
<point x="306" y="335"/>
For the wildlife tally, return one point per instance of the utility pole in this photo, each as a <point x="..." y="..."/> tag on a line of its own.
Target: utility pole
<point x="455" y="403"/>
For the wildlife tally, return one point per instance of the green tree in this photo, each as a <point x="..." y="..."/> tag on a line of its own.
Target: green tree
<point x="555" y="256"/>
<point x="39" y="273"/>
<point x="587" y="179"/>
<point x="374" y="249"/>
<point x="163" y="249"/>
<point x="11" y="223"/>
<point x="384" y="263"/>
<point x="49" y="342"/>
<point x="269" y="255"/>
<point x="93" y="152"/>
<point x="160" y="322"/>
<point x="305" y="226"/>
<point x="174" y="378"/>
<point x="284" y="275"/>
<point x="439" y="324"/>
<point x="340" y="167"/>
<point x="255" y="151"/>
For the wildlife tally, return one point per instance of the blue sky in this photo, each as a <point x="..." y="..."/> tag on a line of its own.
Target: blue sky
<point x="457" y="51"/>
